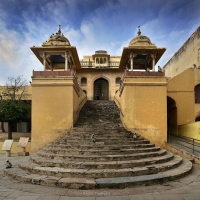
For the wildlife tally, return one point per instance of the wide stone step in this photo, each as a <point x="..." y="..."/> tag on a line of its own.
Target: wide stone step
<point x="98" y="158"/>
<point x="98" y="151"/>
<point x="96" y="128"/>
<point x="83" y="135"/>
<point x="101" y="173"/>
<point x="85" y="183"/>
<point x="101" y="165"/>
<point x="98" y="146"/>
<point x="100" y="139"/>
<point x="160" y="177"/>
<point x="106" y="142"/>
<point x="70" y="183"/>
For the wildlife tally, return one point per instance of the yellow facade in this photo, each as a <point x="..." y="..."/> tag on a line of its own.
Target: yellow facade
<point x="181" y="90"/>
<point x="188" y="56"/>
<point x="142" y="101"/>
<point x="92" y="75"/>
<point x="183" y="72"/>
<point x="55" y="108"/>
<point x="151" y="103"/>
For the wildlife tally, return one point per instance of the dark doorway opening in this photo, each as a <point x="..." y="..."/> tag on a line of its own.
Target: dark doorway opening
<point x="172" y="126"/>
<point x="101" y="89"/>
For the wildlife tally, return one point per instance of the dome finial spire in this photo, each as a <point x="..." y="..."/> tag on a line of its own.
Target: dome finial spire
<point x="139" y="32"/>
<point x="59" y="30"/>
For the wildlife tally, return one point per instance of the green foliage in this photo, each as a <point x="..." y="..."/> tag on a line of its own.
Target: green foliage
<point x="14" y="107"/>
<point x="14" y="111"/>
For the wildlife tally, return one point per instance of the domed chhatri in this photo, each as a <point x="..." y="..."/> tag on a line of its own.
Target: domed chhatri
<point x="141" y="40"/>
<point x="57" y="39"/>
<point x="141" y="54"/>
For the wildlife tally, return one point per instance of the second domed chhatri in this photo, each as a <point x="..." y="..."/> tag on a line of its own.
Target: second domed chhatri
<point x="57" y="39"/>
<point x="141" y="40"/>
<point x="141" y="54"/>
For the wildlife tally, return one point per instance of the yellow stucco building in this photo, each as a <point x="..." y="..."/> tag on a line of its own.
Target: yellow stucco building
<point x="152" y="103"/>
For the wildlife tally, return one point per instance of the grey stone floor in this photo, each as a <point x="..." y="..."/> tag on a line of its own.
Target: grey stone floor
<point x="187" y="188"/>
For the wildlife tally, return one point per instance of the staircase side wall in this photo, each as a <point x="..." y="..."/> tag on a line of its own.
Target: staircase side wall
<point x="181" y="90"/>
<point x="79" y="99"/>
<point x="53" y="107"/>
<point x="143" y="107"/>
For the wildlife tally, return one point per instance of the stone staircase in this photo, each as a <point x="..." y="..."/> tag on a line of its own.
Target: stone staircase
<point x="98" y="152"/>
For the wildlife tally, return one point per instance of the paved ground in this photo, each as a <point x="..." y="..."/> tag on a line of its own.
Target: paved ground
<point x="187" y="188"/>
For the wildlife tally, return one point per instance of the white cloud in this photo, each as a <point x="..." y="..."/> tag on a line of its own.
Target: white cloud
<point x="91" y="26"/>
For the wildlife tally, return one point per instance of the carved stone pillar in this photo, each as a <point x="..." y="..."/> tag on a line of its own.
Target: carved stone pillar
<point x="49" y="62"/>
<point x="66" y="62"/>
<point x="153" y="62"/>
<point x="132" y="56"/>
<point x="44" y="60"/>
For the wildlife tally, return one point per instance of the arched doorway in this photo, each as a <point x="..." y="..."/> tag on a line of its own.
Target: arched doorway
<point x="197" y="93"/>
<point x="172" y="127"/>
<point x="101" y="89"/>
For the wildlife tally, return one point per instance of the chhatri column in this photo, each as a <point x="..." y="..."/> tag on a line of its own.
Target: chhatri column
<point x="132" y="56"/>
<point x="153" y="61"/>
<point x="66" y="62"/>
<point x="44" y="60"/>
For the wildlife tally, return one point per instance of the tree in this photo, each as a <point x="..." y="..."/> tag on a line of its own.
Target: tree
<point x="14" y="106"/>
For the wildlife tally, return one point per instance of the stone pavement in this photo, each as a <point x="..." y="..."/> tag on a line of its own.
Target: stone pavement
<point x="187" y="188"/>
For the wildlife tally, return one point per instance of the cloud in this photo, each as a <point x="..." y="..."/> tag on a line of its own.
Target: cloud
<point x="90" y="25"/>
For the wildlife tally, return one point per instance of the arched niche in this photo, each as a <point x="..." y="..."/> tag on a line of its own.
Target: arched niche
<point x="101" y="89"/>
<point x="83" y="81"/>
<point x="197" y="93"/>
<point x="117" y="80"/>
<point x="172" y="127"/>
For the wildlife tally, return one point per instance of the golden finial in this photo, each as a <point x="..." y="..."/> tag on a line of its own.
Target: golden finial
<point x="59" y="30"/>
<point x="139" y="32"/>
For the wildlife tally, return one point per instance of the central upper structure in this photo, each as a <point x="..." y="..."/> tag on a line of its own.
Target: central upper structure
<point x="57" y="54"/>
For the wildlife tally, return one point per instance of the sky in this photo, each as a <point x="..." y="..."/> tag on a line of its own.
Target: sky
<point x="90" y="25"/>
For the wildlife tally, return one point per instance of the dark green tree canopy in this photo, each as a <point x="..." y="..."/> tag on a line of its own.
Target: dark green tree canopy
<point x="14" y="111"/>
<point x="14" y="106"/>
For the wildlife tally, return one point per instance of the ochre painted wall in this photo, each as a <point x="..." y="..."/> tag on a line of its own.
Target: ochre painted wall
<point x="185" y="57"/>
<point x="54" y="104"/>
<point x="93" y="74"/>
<point x="181" y="90"/>
<point x="143" y="107"/>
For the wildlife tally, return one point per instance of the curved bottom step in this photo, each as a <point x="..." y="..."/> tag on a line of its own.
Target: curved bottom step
<point x="85" y="183"/>
<point x="168" y="175"/>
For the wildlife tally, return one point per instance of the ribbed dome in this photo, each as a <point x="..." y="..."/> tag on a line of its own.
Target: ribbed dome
<point x="141" y="40"/>
<point x="57" y="39"/>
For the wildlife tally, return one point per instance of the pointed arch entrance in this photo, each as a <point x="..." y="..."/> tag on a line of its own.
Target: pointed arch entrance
<point x="101" y="89"/>
<point x="172" y="124"/>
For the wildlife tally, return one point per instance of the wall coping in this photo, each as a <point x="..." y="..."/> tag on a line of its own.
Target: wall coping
<point x="52" y="73"/>
<point x="141" y="73"/>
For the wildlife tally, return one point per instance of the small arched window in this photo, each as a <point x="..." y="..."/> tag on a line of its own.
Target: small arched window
<point x="85" y="91"/>
<point x="117" y="80"/>
<point x="84" y="81"/>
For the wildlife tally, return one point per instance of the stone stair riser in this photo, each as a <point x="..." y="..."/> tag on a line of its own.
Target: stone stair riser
<point x="102" y="165"/>
<point x="98" y="159"/>
<point x="99" y="152"/>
